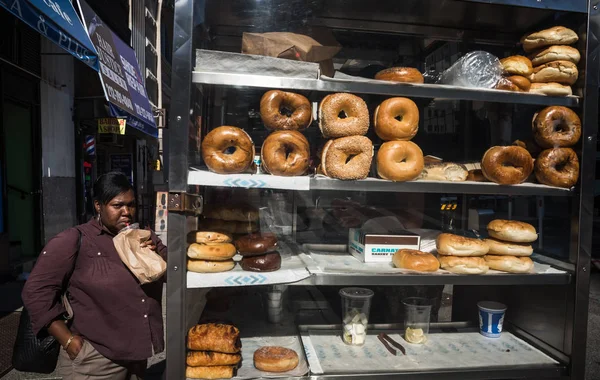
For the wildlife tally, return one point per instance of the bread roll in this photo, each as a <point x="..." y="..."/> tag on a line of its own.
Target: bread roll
<point x="509" y="264"/>
<point x="558" y="35"/>
<point x="551" y="89"/>
<point x="512" y="231"/>
<point x="208" y="237"/>
<point x="476" y="175"/>
<point x="205" y="266"/>
<point x="498" y="247"/>
<point x="216" y="372"/>
<point x="211" y="251"/>
<point x="415" y="260"/>
<point x="210" y="359"/>
<point x="456" y="245"/>
<point x="232" y="213"/>
<point x="463" y="265"/>
<point x="555" y="53"/>
<point x="522" y="83"/>
<point x="563" y="72"/>
<point x="218" y="337"/>
<point x="517" y="65"/>
<point x="444" y="171"/>
<point x="275" y="359"/>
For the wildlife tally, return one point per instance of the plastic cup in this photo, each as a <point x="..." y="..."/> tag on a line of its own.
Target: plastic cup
<point x="356" y="303"/>
<point x="491" y="318"/>
<point x="417" y="314"/>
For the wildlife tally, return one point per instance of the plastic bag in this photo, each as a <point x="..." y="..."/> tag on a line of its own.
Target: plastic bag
<point x="478" y="69"/>
<point x="145" y="264"/>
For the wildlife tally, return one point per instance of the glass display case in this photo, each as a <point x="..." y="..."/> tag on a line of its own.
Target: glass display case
<point x="431" y="163"/>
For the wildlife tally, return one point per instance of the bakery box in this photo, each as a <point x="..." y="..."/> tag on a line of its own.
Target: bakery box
<point x="376" y="248"/>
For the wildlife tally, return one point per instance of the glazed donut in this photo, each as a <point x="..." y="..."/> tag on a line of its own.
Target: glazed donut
<point x="396" y="119"/>
<point x="280" y="110"/>
<point x="507" y="165"/>
<point x="285" y="153"/>
<point x="555" y="127"/>
<point x="400" y="74"/>
<point x="347" y="158"/>
<point x="228" y="150"/>
<point x="557" y="167"/>
<point x="342" y="115"/>
<point x="399" y="161"/>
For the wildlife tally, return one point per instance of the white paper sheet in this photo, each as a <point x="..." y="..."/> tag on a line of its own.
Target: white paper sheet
<point x="327" y="354"/>
<point x="247" y="181"/>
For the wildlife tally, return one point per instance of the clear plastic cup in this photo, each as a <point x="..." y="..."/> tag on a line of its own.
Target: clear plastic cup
<point x="491" y="318"/>
<point x="417" y="313"/>
<point x="356" y="303"/>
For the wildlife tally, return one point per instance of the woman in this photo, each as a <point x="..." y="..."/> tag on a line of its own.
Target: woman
<point x="117" y="323"/>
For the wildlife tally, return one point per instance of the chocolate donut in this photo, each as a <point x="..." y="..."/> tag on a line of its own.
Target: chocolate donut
<point x="256" y="244"/>
<point x="228" y="150"/>
<point x="347" y="158"/>
<point x="269" y="262"/>
<point x="285" y="153"/>
<point x="557" y="167"/>
<point x="507" y="165"/>
<point x="396" y="119"/>
<point x="343" y="115"/>
<point x="280" y="110"/>
<point x="556" y="126"/>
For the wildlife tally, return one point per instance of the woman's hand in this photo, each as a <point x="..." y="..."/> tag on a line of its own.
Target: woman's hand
<point x="75" y="347"/>
<point x="149" y="244"/>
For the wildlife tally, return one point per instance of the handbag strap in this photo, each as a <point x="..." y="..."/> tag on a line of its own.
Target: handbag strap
<point x="65" y="296"/>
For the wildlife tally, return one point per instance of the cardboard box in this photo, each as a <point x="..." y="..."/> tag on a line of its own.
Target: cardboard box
<point x="376" y="248"/>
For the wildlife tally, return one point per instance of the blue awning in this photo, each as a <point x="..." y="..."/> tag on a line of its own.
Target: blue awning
<point x="56" y="20"/>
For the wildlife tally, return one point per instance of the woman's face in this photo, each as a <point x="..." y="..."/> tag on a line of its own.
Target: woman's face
<point x="118" y="212"/>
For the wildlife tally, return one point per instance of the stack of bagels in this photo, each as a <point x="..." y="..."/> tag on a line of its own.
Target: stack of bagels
<point x="344" y="120"/>
<point x="510" y="246"/>
<point x="462" y="255"/>
<point x="214" y="351"/>
<point x="396" y="122"/>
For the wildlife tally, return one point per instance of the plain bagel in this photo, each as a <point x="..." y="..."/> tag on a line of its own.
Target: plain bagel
<point x="206" y="266"/>
<point x="502" y="248"/>
<point x="456" y="245"/>
<point x="512" y="230"/>
<point x="463" y="265"/>
<point x="211" y="251"/>
<point x="401" y="74"/>
<point x="415" y="260"/>
<point x="399" y="161"/>
<point x="208" y="237"/>
<point x="509" y="264"/>
<point x="396" y="119"/>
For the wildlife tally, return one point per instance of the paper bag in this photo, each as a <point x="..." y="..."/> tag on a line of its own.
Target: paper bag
<point x="291" y="46"/>
<point x="144" y="263"/>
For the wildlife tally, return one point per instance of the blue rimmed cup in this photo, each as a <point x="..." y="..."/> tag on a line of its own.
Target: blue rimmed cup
<point x="491" y="318"/>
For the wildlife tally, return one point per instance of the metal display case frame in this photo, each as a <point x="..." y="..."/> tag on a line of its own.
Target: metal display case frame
<point x="574" y="286"/>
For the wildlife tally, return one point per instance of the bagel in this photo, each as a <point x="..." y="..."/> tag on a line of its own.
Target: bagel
<point x="399" y="161"/>
<point x="211" y="251"/>
<point x="347" y="158"/>
<point x="275" y="359"/>
<point x="205" y="266"/>
<point x="208" y="237"/>
<point x="501" y="248"/>
<point x="558" y="35"/>
<point x="401" y="74"/>
<point x="463" y="265"/>
<point x="396" y="119"/>
<point x="530" y="145"/>
<point x="510" y="264"/>
<point x="564" y="72"/>
<point x="512" y="231"/>
<point x="551" y="89"/>
<point x="522" y="83"/>
<point x="415" y="260"/>
<point x="476" y="175"/>
<point x="517" y="65"/>
<point x="555" y="53"/>
<point x="556" y="126"/>
<point x="342" y="115"/>
<point x="228" y="150"/>
<point x="285" y="153"/>
<point x="280" y="110"/>
<point x="557" y="167"/>
<point x="456" y="245"/>
<point x="507" y="165"/>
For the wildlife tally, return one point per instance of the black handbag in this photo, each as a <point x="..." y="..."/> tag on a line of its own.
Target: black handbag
<point x="37" y="353"/>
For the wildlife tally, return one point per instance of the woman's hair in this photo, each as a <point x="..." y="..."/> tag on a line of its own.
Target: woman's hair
<point x="110" y="185"/>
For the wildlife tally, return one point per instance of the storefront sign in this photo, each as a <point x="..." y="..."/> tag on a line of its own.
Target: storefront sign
<point x="111" y="125"/>
<point x="122" y="163"/>
<point x="120" y="74"/>
<point x="57" y="21"/>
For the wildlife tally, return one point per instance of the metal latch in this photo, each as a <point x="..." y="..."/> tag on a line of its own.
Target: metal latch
<point x="184" y="202"/>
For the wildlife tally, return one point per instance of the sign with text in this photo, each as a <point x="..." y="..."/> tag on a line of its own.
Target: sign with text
<point x="120" y="74"/>
<point x="112" y="125"/>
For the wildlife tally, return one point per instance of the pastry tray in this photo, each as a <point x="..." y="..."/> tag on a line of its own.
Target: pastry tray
<point x="328" y="354"/>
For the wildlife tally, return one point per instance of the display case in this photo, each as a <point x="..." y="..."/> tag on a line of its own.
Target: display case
<point x="340" y="223"/>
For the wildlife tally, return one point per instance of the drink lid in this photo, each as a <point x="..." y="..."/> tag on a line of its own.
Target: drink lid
<point x="356" y="293"/>
<point x="491" y="305"/>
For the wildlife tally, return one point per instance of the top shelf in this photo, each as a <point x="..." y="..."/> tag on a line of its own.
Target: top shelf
<point x="433" y="91"/>
<point x="556" y="5"/>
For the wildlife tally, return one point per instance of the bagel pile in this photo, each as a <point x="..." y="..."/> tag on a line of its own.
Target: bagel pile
<point x="396" y="122"/>
<point x="509" y="246"/>
<point x="344" y="119"/>
<point x="462" y="255"/>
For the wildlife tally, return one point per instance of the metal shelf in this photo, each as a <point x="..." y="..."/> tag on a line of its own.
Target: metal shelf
<point x="433" y="91"/>
<point x="556" y="5"/>
<point x="305" y="183"/>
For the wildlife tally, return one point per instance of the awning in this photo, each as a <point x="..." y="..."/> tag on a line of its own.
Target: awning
<point x="120" y="74"/>
<point x="57" y="20"/>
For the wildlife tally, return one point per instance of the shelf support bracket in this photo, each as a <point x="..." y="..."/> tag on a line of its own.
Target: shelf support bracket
<point x="185" y="203"/>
